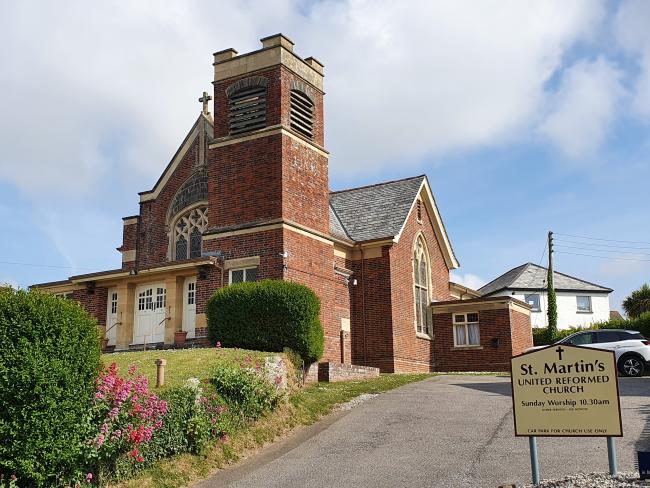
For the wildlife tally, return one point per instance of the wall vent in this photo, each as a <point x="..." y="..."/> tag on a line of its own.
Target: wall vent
<point x="302" y="113"/>
<point x="247" y="105"/>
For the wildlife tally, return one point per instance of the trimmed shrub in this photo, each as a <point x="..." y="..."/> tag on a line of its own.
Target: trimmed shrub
<point x="49" y="359"/>
<point x="267" y="316"/>
<point x="245" y="391"/>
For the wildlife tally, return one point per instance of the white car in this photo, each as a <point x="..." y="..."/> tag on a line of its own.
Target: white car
<point x="631" y="348"/>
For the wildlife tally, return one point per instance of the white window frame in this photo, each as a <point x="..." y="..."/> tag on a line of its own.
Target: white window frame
<point x="578" y="309"/>
<point x="465" y="323"/>
<point x="245" y="270"/>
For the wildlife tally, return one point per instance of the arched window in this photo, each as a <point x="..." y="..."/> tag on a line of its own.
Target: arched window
<point x="247" y="105"/>
<point x="188" y="231"/>
<point x="302" y="113"/>
<point x="421" y="286"/>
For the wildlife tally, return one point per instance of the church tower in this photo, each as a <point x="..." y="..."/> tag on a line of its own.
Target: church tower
<point x="268" y="176"/>
<point x="267" y="156"/>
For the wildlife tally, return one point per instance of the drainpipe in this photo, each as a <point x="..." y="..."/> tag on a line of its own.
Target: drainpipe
<point x="363" y="307"/>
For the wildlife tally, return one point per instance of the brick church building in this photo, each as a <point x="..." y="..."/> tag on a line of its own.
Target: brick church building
<point x="246" y="197"/>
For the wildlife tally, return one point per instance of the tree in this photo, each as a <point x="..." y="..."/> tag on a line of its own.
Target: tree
<point x="638" y="302"/>
<point x="552" y="306"/>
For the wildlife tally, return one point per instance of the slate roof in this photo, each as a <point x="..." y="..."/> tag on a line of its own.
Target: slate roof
<point x="373" y="212"/>
<point x="530" y="276"/>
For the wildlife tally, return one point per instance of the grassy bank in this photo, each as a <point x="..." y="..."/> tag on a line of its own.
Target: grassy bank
<point x="181" y="363"/>
<point x="304" y="407"/>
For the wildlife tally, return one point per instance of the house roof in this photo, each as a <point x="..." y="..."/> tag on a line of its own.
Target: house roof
<point x="373" y="212"/>
<point x="530" y="276"/>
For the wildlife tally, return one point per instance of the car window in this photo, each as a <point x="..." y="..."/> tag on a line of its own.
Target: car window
<point x="608" y="336"/>
<point x="581" y="339"/>
<point x="626" y="336"/>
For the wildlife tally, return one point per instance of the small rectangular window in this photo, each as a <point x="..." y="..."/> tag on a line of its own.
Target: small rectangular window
<point x="114" y="302"/>
<point x="243" y="275"/>
<point x="161" y="298"/>
<point x="467" y="330"/>
<point x="533" y="301"/>
<point x="191" y="293"/>
<point x="584" y="303"/>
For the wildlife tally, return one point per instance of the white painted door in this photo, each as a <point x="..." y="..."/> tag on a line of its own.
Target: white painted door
<point x="189" y="306"/>
<point x="149" y="323"/>
<point x="111" y="317"/>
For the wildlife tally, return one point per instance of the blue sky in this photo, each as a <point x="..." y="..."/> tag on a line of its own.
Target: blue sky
<point x="526" y="117"/>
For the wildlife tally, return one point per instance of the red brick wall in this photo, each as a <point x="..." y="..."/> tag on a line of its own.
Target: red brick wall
<point x="493" y="324"/>
<point x="521" y="332"/>
<point x="305" y="193"/>
<point x="245" y="182"/>
<point x="413" y="353"/>
<point x="153" y="241"/>
<point x="129" y="242"/>
<point x="93" y="302"/>
<point x="311" y="263"/>
<point x="371" y="312"/>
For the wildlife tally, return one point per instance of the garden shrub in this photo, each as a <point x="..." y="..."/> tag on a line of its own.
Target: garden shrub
<point x="49" y="359"/>
<point x="267" y="316"/>
<point x="246" y="391"/>
<point x="134" y="427"/>
<point x="126" y="415"/>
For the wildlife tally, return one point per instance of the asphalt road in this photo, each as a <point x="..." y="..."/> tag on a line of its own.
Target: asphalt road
<point x="449" y="431"/>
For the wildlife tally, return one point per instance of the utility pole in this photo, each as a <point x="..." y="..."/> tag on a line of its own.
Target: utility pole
<point x="552" y="299"/>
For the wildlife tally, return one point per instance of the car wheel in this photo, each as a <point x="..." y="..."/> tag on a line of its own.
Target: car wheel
<point x="631" y="366"/>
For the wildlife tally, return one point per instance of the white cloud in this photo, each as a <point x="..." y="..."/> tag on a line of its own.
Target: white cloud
<point x="584" y="107"/>
<point x="467" y="279"/>
<point x="112" y="87"/>
<point x="632" y="33"/>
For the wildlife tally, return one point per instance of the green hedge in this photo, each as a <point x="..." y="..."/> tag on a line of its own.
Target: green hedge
<point x="640" y="324"/>
<point x="541" y="336"/>
<point x="49" y="359"/>
<point x="267" y="316"/>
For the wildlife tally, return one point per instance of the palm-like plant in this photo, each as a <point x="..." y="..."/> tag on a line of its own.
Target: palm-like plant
<point x="638" y="302"/>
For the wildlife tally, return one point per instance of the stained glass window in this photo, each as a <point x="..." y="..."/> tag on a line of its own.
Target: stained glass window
<point x="188" y="231"/>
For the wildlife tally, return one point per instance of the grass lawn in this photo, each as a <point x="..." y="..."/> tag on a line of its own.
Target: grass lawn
<point x="304" y="407"/>
<point x="181" y="363"/>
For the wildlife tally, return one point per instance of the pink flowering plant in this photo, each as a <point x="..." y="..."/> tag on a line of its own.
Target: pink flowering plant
<point x="127" y="414"/>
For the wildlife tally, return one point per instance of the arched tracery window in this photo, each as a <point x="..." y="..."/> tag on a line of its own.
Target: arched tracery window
<point x="421" y="283"/>
<point x="188" y="231"/>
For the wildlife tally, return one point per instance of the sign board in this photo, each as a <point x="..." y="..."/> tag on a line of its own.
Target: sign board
<point x="566" y="391"/>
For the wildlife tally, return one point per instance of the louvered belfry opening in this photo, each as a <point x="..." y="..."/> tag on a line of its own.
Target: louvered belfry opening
<point x="302" y="113"/>
<point x="247" y="110"/>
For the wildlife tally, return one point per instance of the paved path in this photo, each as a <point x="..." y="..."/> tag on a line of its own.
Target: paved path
<point x="449" y="431"/>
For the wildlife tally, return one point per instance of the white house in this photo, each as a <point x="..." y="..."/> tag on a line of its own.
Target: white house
<point x="579" y="302"/>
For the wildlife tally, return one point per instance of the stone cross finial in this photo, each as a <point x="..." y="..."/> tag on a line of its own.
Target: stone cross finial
<point x="205" y="99"/>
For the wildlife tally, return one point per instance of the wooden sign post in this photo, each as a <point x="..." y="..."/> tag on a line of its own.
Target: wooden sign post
<point x="566" y="391"/>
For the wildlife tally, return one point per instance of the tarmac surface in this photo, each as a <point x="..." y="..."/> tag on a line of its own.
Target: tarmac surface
<point x="448" y="431"/>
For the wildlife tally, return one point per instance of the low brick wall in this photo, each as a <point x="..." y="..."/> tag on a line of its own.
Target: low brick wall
<point x="330" y="372"/>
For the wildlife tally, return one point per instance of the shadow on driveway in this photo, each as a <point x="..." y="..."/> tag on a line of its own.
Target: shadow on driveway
<point x="495" y="388"/>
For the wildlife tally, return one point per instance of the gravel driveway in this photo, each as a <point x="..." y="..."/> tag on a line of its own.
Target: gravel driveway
<point x="449" y="431"/>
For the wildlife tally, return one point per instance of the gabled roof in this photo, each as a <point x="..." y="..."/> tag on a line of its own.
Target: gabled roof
<point x="376" y="211"/>
<point x="203" y="123"/>
<point x="380" y="211"/>
<point x="532" y="277"/>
